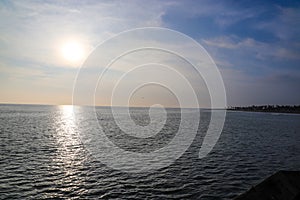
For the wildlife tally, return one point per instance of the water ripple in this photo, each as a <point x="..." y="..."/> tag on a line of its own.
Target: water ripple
<point x="42" y="157"/>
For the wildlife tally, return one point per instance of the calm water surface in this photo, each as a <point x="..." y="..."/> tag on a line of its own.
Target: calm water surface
<point x="42" y="156"/>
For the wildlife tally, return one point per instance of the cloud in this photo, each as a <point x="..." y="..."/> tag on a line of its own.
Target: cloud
<point x="34" y="31"/>
<point x="250" y="46"/>
<point x="284" y="25"/>
<point x="32" y="35"/>
<point x="223" y="14"/>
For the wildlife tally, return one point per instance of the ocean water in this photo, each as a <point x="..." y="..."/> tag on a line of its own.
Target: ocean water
<point x="42" y="155"/>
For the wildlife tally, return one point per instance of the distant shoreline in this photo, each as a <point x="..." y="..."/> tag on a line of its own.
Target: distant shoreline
<point x="269" y="109"/>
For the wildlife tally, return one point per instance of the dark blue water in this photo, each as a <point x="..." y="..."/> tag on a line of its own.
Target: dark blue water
<point x="42" y="156"/>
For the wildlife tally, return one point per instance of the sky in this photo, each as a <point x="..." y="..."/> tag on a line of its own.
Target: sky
<point x="255" y="45"/>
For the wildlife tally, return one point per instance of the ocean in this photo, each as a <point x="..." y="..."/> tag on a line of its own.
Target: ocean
<point x="42" y="154"/>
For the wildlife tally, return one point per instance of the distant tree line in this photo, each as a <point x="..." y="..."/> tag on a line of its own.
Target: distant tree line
<point x="269" y="108"/>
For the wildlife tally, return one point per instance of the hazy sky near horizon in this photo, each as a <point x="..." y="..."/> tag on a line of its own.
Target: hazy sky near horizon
<point x="255" y="44"/>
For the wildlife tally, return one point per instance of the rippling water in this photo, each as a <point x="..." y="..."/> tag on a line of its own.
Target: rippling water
<point x="42" y="155"/>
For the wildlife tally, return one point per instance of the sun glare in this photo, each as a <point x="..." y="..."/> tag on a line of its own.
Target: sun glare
<point x="73" y="51"/>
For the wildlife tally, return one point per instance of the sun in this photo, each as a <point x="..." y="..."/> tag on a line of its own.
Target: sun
<point x="72" y="51"/>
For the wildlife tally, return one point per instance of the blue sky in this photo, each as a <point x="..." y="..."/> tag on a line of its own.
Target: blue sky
<point x="255" y="44"/>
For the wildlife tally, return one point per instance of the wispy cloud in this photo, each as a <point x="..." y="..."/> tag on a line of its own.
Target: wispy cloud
<point x="262" y="50"/>
<point x="35" y="31"/>
<point x="285" y="25"/>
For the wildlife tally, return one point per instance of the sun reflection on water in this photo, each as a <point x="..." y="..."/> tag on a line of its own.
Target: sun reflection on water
<point x="67" y="111"/>
<point x="69" y="145"/>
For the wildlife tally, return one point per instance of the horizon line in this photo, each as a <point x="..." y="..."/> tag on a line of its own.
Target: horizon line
<point x="228" y="107"/>
<point x="43" y="104"/>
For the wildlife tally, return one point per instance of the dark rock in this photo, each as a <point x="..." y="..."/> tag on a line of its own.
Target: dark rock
<point x="283" y="185"/>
